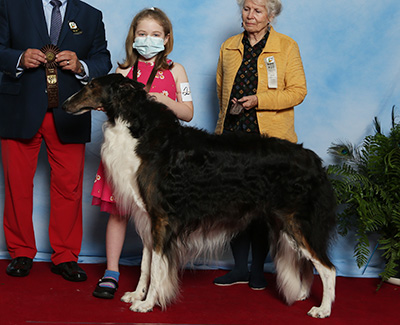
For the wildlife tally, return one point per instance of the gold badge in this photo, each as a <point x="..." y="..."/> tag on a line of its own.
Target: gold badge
<point x="50" y="56"/>
<point x="50" y="51"/>
<point x="52" y="79"/>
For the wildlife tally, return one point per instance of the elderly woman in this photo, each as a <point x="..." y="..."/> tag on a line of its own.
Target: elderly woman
<point x="260" y="78"/>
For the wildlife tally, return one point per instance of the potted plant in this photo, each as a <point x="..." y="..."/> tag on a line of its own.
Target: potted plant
<point x="366" y="179"/>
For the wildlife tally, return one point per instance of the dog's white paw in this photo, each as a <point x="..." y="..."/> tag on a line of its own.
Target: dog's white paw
<point x="319" y="312"/>
<point x="303" y="295"/>
<point x="132" y="296"/>
<point x="142" y="306"/>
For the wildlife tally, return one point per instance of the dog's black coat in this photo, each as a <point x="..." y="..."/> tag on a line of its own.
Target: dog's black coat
<point x="191" y="180"/>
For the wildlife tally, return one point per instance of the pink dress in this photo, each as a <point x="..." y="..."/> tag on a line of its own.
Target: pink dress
<point x="164" y="83"/>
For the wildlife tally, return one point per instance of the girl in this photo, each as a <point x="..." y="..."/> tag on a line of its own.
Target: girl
<point x="149" y="41"/>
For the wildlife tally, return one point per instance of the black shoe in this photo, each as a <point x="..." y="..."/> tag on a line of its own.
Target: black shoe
<point x="19" y="266"/>
<point x="105" y="292"/>
<point x="231" y="278"/>
<point x="69" y="271"/>
<point x="257" y="283"/>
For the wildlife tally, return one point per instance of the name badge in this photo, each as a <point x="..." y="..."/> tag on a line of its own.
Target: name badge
<point x="272" y="72"/>
<point x="74" y="28"/>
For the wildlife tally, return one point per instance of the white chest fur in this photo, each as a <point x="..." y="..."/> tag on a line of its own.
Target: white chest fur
<point x="121" y="165"/>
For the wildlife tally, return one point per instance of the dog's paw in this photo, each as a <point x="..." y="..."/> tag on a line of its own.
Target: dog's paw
<point x="319" y="312"/>
<point x="131" y="297"/>
<point x="141" y="306"/>
<point x="303" y="295"/>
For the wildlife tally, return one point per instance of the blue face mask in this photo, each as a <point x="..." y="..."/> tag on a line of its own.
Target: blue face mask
<point x="149" y="46"/>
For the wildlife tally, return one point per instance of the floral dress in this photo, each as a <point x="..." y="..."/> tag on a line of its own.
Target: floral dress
<point x="164" y="83"/>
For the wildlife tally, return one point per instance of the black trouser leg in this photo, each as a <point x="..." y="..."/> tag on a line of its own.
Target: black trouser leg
<point x="240" y="246"/>
<point x="259" y="248"/>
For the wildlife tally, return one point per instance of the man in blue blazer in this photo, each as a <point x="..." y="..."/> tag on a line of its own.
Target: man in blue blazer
<point x="37" y="77"/>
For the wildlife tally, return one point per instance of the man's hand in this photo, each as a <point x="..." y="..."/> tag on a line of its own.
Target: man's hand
<point x="32" y="58"/>
<point x="67" y="60"/>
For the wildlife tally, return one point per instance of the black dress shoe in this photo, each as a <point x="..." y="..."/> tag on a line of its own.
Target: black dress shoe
<point x="69" y="271"/>
<point x="19" y="266"/>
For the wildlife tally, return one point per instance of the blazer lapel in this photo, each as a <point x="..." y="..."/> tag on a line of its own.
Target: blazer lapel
<point x="70" y="14"/>
<point x="36" y="8"/>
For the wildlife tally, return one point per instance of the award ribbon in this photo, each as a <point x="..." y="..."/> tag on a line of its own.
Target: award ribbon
<point x="51" y="74"/>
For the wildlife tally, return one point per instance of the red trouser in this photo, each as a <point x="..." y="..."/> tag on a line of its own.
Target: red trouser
<point x="66" y="162"/>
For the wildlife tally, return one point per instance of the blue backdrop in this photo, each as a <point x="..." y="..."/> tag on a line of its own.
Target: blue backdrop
<point x="350" y="52"/>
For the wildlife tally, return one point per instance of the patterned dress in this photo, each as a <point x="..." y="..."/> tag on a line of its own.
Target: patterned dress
<point x="164" y="83"/>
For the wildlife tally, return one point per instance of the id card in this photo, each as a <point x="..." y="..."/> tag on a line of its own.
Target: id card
<point x="272" y="72"/>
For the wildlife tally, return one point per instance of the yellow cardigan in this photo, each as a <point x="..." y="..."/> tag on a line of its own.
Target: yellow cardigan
<point x="275" y="111"/>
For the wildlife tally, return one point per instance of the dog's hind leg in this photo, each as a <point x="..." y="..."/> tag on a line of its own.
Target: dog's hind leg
<point x="143" y="284"/>
<point x="163" y="284"/>
<point x="328" y="278"/>
<point x="307" y="277"/>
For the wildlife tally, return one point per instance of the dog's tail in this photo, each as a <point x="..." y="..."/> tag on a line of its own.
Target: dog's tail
<point x="164" y="279"/>
<point x="294" y="272"/>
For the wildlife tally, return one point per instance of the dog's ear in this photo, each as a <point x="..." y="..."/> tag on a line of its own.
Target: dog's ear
<point x="127" y="83"/>
<point x="138" y="84"/>
<point x="130" y="90"/>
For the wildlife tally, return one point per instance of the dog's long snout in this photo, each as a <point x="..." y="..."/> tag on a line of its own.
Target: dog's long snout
<point x="80" y="102"/>
<point x="69" y="104"/>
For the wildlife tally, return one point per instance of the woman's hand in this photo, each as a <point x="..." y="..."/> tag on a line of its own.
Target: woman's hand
<point x="248" y="102"/>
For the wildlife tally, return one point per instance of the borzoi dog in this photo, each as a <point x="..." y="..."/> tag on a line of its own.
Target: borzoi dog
<point x="190" y="192"/>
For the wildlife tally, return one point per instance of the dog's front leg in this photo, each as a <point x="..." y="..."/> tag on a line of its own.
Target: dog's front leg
<point x="143" y="284"/>
<point x="328" y="278"/>
<point x="163" y="285"/>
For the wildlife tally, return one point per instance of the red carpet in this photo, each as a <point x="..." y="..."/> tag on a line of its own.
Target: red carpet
<point x="46" y="298"/>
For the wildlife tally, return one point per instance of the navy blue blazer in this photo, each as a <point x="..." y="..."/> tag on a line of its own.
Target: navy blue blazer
<point x="23" y="100"/>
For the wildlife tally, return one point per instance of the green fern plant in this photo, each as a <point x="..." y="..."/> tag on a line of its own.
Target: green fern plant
<point x="366" y="179"/>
